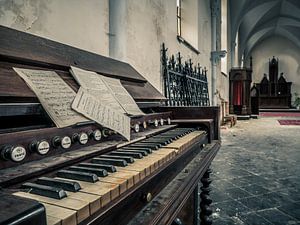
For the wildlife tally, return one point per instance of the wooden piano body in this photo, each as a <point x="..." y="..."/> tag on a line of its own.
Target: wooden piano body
<point x="166" y="190"/>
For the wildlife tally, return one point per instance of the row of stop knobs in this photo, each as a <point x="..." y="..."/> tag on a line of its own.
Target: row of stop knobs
<point x="17" y="153"/>
<point x="155" y="123"/>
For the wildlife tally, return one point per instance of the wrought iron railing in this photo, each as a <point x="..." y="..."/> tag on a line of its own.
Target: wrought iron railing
<point x="184" y="85"/>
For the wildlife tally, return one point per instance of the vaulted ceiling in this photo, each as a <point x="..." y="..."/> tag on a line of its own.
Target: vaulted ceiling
<point x="256" y="20"/>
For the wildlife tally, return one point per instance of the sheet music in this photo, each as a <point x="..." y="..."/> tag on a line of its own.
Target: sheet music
<point x="93" y="84"/>
<point x="111" y="90"/>
<point x="54" y="94"/>
<point x="122" y="96"/>
<point x="86" y="104"/>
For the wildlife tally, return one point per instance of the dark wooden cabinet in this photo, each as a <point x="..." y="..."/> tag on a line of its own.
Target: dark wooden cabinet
<point x="239" y="87"/>
<point x="273" y="92"/>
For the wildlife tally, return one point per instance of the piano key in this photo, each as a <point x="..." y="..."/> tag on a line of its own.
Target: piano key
<point x="147" y="145"/>
<point x="124" y="184"/>
<point x="66" y="185"/>
<point x="98" y="172"/>
<point x="144" y="153"/>
<point x="160" y="142"/>
<point x="43" y="190"/>
<point x="158" y="139"/>
<point x="172" y="137"/>
<point x="148" y="150"/>
<point x="65" y="216"/>
<point x="75" y="175"/>
<point x="106" y="191"/>
<point x="53" y="220"/>
<point x="122" y="173"/>
<point x="94" y="200"/>
<point x="114" y="162"/>
<point x="169" y="153"/>
<point x="81" y="207"/>
<point x="126" y="158"/>
<point x="142" y="166"/>
<point x="108" y="168"/>
<point x="186" y="141"/>
<point x="135" y="155"/>
<point x="152" y="147"/>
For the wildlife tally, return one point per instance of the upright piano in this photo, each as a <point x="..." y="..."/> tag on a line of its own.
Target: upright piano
<point x="87" y="173"/>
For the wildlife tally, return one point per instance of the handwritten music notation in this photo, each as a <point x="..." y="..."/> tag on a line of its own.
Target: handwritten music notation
<point x="109" y="90"/>
<point x="93" y="108"/>
<point x="54" y="94"/>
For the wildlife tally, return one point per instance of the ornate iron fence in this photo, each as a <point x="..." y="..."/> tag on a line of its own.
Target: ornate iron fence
<point x="184" y="85"/>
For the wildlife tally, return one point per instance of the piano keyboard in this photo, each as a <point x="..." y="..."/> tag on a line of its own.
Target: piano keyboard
<point x="77" y="192"/>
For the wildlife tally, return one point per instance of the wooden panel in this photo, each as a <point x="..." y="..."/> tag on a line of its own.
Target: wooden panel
<point x="195" y="112"/>
<point x="16" y="45"/>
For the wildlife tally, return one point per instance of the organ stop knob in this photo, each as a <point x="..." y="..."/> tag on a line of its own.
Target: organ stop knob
<point x="13" y="153"/>
<point x="42" y="147"/>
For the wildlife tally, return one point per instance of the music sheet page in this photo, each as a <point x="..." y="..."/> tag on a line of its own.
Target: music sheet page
<point x="111" y="91"/>
<point x="93" y="84"/>
<point x="122" y="96"/>
<point x="96" y="110"/>
<point x="54" y="94"/>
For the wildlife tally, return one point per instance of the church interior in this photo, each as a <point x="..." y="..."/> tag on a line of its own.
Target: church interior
<point x="158" y="112"/>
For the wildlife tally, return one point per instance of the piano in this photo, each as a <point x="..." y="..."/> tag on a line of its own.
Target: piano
<point x="87" y="173"/>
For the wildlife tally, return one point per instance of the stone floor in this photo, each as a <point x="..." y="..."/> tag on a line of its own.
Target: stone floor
<point x="256" y="174"/>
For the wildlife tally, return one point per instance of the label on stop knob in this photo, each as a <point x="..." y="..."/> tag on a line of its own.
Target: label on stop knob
<point x="97" y="135"/>
<point x="18" y="154"/>
<point x="83" y="138"/>
<point x="43" y="147"/>
<point x="66" y="142"/>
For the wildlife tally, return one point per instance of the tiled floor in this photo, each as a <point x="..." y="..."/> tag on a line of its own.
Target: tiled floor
<point x="256" y="174"/>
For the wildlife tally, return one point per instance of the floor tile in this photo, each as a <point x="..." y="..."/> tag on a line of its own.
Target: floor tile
<point x="258" y="166"/>
<point x="254" y="219"/>
<point x="277" y="217"/>
<point x="237" y="193"/>
<point x="230" y="208"/>
<point x="255" y="189"/>
<point x="292" y="209"/>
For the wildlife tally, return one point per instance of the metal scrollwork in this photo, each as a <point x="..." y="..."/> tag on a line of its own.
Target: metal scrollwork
<point x="184" y="85"/>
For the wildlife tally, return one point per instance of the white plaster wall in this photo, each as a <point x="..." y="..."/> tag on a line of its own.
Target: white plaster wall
<point x="189" y="22"/>
<point x="288" y="55"/>
<point x="148" y="24"/>
<point x="132" y="31"/>
<point x="79" y="23"/>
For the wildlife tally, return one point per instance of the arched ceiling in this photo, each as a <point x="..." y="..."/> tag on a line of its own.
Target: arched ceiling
<point x="256" y="20"/>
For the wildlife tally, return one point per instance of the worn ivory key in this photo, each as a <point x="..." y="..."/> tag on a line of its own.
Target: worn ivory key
<point x="106" y="191"/>
<point x="80" y="207"/>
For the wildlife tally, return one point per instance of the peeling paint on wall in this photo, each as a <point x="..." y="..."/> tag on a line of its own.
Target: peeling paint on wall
<point x="83" y="24"/>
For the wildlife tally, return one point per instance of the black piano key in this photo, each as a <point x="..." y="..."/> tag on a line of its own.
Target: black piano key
<point x="143" y="152"/>
<point x="76" y="175"/>
<point x="135" y="155"/>
<point x="162" y="143"/>
<point x="64" y="184"/>
<point x="98" y="172"/>
<point x="108" y="168"/>
<point x="148" y="150"/>
<point x="126" y="158"/>
<point x="171" y="137"/>
<point x="153" y="147"/>
<point x="43" y="190"/>
<point x="114" y="162"/>
<point x="166" y="140"/>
